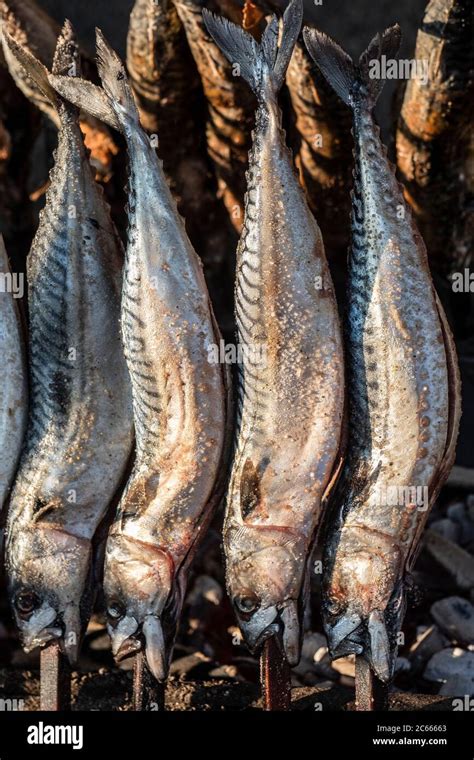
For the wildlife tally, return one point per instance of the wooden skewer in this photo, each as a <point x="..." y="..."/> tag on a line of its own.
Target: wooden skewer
<point x="371" y="693"/>
<point x="275" y="676"/>
<point x="55" y="679"/>
<point x="148" y="693"/>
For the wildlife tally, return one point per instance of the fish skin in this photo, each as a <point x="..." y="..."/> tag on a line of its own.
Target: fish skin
<point x="33" y="28"/>
<point x="179" y="396"/>
<point x="435" y="136"/>
<point x="80" y="429"/>
<point x="403" y="386"/>
<point x="291" y="404"/>
<point x="169" y="96"/>
<point x="230" y="109"/>
<point x="14" y="384"/>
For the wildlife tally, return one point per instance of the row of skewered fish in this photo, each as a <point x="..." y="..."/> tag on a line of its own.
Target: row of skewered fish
<point x="296" y="437"/>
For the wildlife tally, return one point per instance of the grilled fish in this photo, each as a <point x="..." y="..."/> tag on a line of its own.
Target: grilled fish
<point x="434" y="136"/>
<point x="32" y="28"/>
<point x="291" y="384"/>
<point x="179" y="395"/>
<point x="14" y="383"/>
<point x="80" y="427"/>
<point x="230" y="109"/>
<point x="170" y="100"/>
<point x="403" y="386"/>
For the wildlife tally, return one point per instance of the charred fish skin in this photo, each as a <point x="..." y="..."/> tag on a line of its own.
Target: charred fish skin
<point x="291" y="385"/>
<point x="80" y="429"/>
<point x="434" y="136"/>
<point x="230" y="109"/>
<point x="179" y="395"/>
<point x="403" y="385"/>
<point x="13" y="382"/>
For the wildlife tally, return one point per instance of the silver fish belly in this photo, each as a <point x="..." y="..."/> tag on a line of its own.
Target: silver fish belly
<point x="291" y="384"/>
<point x="80" y="429"/>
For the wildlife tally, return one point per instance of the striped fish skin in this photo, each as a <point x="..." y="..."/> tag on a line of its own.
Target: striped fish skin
<point x="80" y="429"/>
<point x="179" y="395"/>
<point x="402" y="381"/>
<point x="13" y="383"/>
<point x="291" y="384"/>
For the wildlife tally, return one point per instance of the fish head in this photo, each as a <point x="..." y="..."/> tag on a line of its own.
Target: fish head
<point x="143" y="599"/>
<point x="363" y="599"/>
<point x="265" y="572"/>
<point x="49" y="587"/>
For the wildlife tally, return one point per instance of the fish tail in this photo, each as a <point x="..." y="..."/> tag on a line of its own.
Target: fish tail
<point x="115" y="81"/>
<point x="32" y="66"/>
<point x="113" y="103"/>
<point x="262" y="65"/>
<point x="354" y="83"/>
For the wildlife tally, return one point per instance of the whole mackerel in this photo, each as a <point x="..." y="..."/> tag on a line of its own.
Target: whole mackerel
<point x="403" y="386"/>
<point x="179" y="394"/>
<point x="13" y="379"/>
<point x="79" y="433"/>
<point x="291" y="385"/>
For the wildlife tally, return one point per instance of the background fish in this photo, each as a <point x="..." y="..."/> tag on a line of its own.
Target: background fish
<point x="179" y="395"/>
<point x="291" y="376"/>
<point x="403" y="385"/>
<point x="79" y="433"/>
<point x="13" y="381"/>
<point x="230" y="107"/>
<point x="434" y="136"/>
<point x="32" y="28"/>
<point x="323" y="152"/>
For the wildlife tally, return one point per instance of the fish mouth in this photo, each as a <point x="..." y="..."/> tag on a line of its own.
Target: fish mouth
<point x="130" y="646"/>
<point x="42" y="639"/>
<point x="281" y="622"/>
<point x="367" y="636"/>
<point x="131" y="637"/>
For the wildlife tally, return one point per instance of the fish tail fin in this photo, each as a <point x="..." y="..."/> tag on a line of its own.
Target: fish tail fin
<point x="353" y="83"/>
<point x="35" y="70"/>
<point x="115" y="80"/>
<point x="113" y="103"/>
<point x="262" y="65"/>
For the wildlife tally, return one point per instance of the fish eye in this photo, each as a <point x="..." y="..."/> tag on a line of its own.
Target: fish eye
<point x="26" y="602"/>
<point x="115" y="610"/>
<point x="247" y="603"/>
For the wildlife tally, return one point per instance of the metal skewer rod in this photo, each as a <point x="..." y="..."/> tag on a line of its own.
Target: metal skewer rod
<point x="371" y="692"/>
<point x="275" y="676"/>
<point x="55" y="679"/>
<point x="148" y="693"/>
